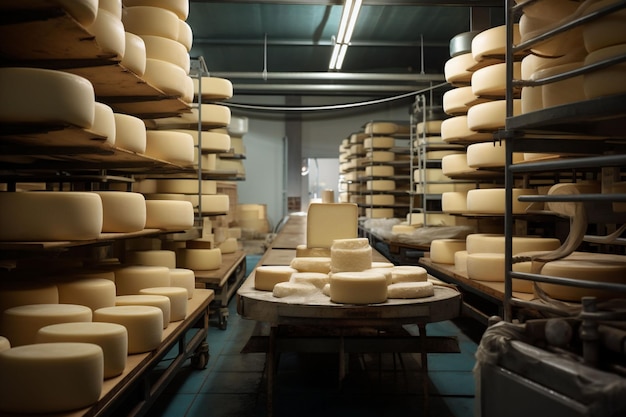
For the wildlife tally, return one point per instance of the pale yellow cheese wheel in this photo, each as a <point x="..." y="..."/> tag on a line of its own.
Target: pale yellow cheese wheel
<point x="167" y="77"/>
<point x="456" y="101"/>
<point x="492" y="200"/>
<point x="169" y="215"/>
<point x="215" y="204"/>
<point x="94" y="293"/>
<point x="379" y="142"/>
<point x="178" y="300"/>
<point x="150" y="20"/>
<point x="179" y="7"/>
<point x="456" y="129"/>
<point x="318" y="279"/>
<point x="492" y="42"/>
<point x="411" y="290"/>
<point x="51" y="377"/>
<point x="130" y="279"/>
<point x="531" y="99"/>
<point x="210" y="141"/>
<point x="215" y="88"/>
<point x="155" y="257"/>
<point x="381" y="128"/>
<point x="186" y="186"/>
<point x="311" y="264"/>
<point x="122" y="212"/>
<point x="565" y="208"/>
<point x="293" y="289"/>
<point x="490" y="81"/>
<point x="109" y="32"/>
<point x="381" y="156"/>
<point x="18" y="293"/>
<point x="491" y="115"/>
<point x="162" y="302"/>
<point x="442" y="250"/>
<point x="266" y="277"/>
<point x="112" y="339"/>
<point x="211" y="116"/>
<point x="4" y="343"/>
<point x="185" y="278"/>
<point x="456" y="69"/>
<point x="494" y="243"/>
<point x="104" y="122"/>
<point x="460" y="260"/>
<point x="455" y="164"/>
<point x="605" y="31"/>
<point x="562" y="92"/>
<point x="454" y="202"/>
<point x="379" y="170"/>
<point x="489" y="155"/>
<point x="553" y="10"/>
<point x="199" y="259"/>
<point x="358" y="288"/>
<point x="185" y="34"/>
<point x="229" y="245"/>
<point x="408" y="273"/>
<point x="144" y="325"/>
<point x="430" y="127"/>
<point x="607" y="81"/>
<point x="485" y="266"/>
<point x="169" y="50"/>
<point x="84" y="12"/>
<point x="130" y="133"/>
<point x="381" y="185"/>
<point x="380" y="199"/>
<point x="134" y="57"/>
<point x="379" y="213"/>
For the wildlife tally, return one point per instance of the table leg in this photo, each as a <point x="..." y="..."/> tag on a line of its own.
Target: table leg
<point x="424" y="360"/>
<point x="270" y="365"/>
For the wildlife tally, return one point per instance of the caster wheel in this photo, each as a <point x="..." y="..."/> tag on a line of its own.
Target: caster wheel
<point x="200" y="358"/>
<point x="223" y="321"/>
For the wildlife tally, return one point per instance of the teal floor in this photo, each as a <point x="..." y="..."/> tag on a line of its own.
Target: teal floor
<point x="233" y="382"/>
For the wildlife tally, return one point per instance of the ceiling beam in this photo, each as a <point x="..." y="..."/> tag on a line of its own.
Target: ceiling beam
<point x="308" y="42"/>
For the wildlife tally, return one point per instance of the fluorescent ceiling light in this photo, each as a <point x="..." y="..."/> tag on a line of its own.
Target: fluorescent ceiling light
<point x="349" y="15"/>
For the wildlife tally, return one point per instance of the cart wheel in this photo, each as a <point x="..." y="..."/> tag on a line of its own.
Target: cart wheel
<point x="223" y="320"/>
<point x="201" y="356"/>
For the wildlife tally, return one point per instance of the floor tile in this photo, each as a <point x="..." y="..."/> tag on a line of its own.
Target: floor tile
<point x="232" y="383"/>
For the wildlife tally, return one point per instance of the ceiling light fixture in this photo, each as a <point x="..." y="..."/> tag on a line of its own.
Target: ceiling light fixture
<point x="349" y="14"/>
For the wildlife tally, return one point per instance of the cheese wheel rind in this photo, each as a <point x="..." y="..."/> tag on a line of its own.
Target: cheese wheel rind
<point x="358" y="288"/>
<point x="410" y="290"/>
<point x="265" y="277"/>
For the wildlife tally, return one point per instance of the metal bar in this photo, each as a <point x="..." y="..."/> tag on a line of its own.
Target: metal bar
<point x="611" y="286"/>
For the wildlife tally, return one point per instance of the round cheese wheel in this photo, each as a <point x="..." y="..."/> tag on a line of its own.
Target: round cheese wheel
<point x="144" y="325"/>
<point x="18" y="293"/>
<point x="112" y="339"/>
<point x="169" y="50"/>
<point x="109" y="32"/>
<point x="456" y="129"/>
<point x="380" y="199"/>
<point x="215" y="88"/>
<point x="430" y="127"/>
<point x="215" y="204"/>
<point x="130" y="279"/>
<point x="386" y="271"/>
<point x="494" y="243"/>
<point x="379" y="142"/>
<point x="229" y="245"/>
<point x="155" y="300"/>
<point x="442" y="250"/>
<point x="492" y="200"/>
<point x="605" y="31"/>
<point x="178" y="300"/>
<point x="456" y="101"/>
<point x="490" y="81"/>
<point x="408" y="273"/>
<point x="237" y="145"/>
<point x="489" y="155"/>
<point x="50" y="216"/>
<point x="293" y="289"/>
<point x="455" y="164"/>
<point x="317" y="279"/>
<point x="151" y="20"/>
<point x="199" y="259"/>
<point x="34" y="95"/>
<point x="428" y="174"/>
<point x="266" y="277"/>
<point x="179" y="7"/>
<point x="606" y="81"/>
<point x="379" y="170"/>
<point x="165" y="258"/>
<point x="94" y="293"/>
<point x="311" y="264"/>
<point x="211" y="116"/>
<point x="531" y="99"/>
<point x="381" y="156"/>
<point x="492" y="42"/>
<point x="187" y="96"/>
<point x="381" y="185"/>
<point x="553" y="10"/>
<point x="167" y="77"/>
<point x="130" y="133"/>
<point x="485" y="266"/>
<point x="210" y="141"/>
<point x="170" y="146"/>
<point x="562" y="92"/>
<point x="20" y="324"/>
<point x="460" y="260"/>
<point x="491" y="115"/>
<point x="457" y="69"/>
<point x="184" y="278"/>
<point x="4" y="343"/>
<point x="112" y="6"/>
<point x="411" y="290"/>
<point x="208" y="162"/>
<point x="61" y="377"/>
<point x="134" y="57"/>
<point x="350" y="255"/>
<point x="381" y="128"/>
<point x="185" y="34"/>
<point x="104" y="122"/>
<point x="122" y="212"/>
<point x="358" y="287"/>
<point x="379" y="213"/>
<point x="169" y="215"/>
<point x="454" y="202"/>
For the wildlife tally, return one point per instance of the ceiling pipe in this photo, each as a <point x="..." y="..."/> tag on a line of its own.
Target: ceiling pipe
<point x="332" y="76"/>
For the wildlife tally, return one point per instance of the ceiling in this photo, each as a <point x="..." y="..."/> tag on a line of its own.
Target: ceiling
<point x="282" y="47"/>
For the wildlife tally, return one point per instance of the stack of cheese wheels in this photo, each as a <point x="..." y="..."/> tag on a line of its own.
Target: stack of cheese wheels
<point x="351" y="166"/>
<point x="108" y="29"/>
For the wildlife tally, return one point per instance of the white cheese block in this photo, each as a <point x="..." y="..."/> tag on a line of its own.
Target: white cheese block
<point x="112" y="339"/>
<point x="293" y="289"/>
<point x="456" y="129"/>
<point x="266" y="277"/>
<point x="34" y="95"/>
<point x="442" y="250"/>
<point x="167" y="77"/>
<point x="162" y="302"/>
<point x="489" y="155"/>
<point x="329" y="221"/>
<point x="215" y="88"/>
<point x="170" y="146"/>
<point x="381" y="156"/>
<point x="302" y="252"/>
<point x="229" y="245"/>
<point x="605" y="31"/>
<point x="492" y="200"/>
<point x="179" y="7"/>
<point x="490" y="81"/>
<point x="358" y="288"/>
<point x="150" y="20"/>
<point x="184" y="278"/>
<point x="381" y="185"/>
<point x="311" y="264"/>
<point x="408" y="273"/>
<point x="491" y="115"/>
<point x="411" y="290"/>
<point x="185" y="34"/>
<point x="380" y="128"/>
<point x="130" y="279"/>
<point x="380" y="199"/>
<point x="18" y="293"/>
<point x="317" y="279"/>
<point x="492" y="42"/>
<point x="350" y="255"/>
<point x="165" y="258"/>
<point x="456" y="101"/>
<point x="494" y="243"/>
<point x="20" y="324"/>
<point x="562" y="92"/>
<point x="130" y="133"/>
<point x="178" y="300"/>
<point x="456" y="69"/>
<point x="379" y="213"/>
<point x="454" y="202"/>
<point x="134" y="57"/>
<point x="4" y="344"/>
<point x="429" y="128"/>
<point x="169" y="215"/>
<point x="198" y="259"/>
<point x="460" y="260"/>
<point x="379" y="142"/>
<point x="94" y="293"/>
<point x="50" y="216"/>
<point x="104" y="122"/>
<point x="144" y="325"/>
<point x="169" y="50"/>
<point x="122" y="212"/>
<point x="109" y="32"/>
<point x="606" y="81"/>
<point x="51" y="377"/>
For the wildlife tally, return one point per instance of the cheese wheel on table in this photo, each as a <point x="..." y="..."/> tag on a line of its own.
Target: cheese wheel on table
<point x="122" y="212"/>
<point x="311" y="264"/>
<point x="229" y="245"/>
<point x="358" y="287"/>
<point x="293" y="289"/>
<point x="150" y="20"/>
<point x="162" y="302"/>
<point x="386" y="271"/>
<point x="266" y="277"/>
<point x="109" y="32"/>
<point x="134" y="57"/>
<point x="130" y="279"/>
<point x="408" y="273"/>
<point x="50" y="216"/>
<point x="460" y="260"/>
<point x="144" y="325"/>
<point x="169" y="50"/>
<point x="215" y="88"/>
<point x="112" y="339"/>
<point x="442" y="250"/>
<point x="318" y="279"/>
<point x="34" y="95"/>
<point x="169" y="215"/>
<point x="199" y="259"/>
<point x="411" y="290"/>
<point x="61" y="377"/>
<point x="178" y="7"/>
<point x="351" y="255"/>
<point x="178" y="300"/>
<point x="185" y="278"/>
<point x="130" y="133"/>
<point x="166" y="258"/>
<point x="94" y="293"/>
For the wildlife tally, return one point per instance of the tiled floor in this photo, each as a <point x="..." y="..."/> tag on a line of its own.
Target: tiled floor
<point x="307" y="384"/>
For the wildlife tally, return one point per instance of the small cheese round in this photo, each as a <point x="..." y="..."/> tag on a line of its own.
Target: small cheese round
<point x="199" y="259"/>
<point x="50" y="377"/>
<point x="170" y="146"/>
<point x="109" y="32"/>
<point x="266" y="276"/>
<point x="177" y="296"/>
<point x="165" y="258"/>
<point x="358" y="288"/>
<point x="185" y="278"/>
<point x="122" y="212"/>
<point x="293" y="289"/>
<point x="215" y="205"/>
<point x="460" y="260"/>
<point x="318" y="279"/>
<point x="411" y="290"/>
<point x="456" y="69"/>
<point x="169" y="215"/>
<point x="134" y="58"/>
<point x="111" y="337"/>
<point x="130" y="133"/>
<point x="491" y="115"/>
<point x="149" y="20"/>
<point x="311" y="264"/>
<point x="160" y="301"/>
<point x="350" y="255"/>
<point x="229" y="245"/>
<point x="485" y="266"/>
<point x="442" y="250"/>
<point x="144" y="325"/>
<point x="130" y="279"/>
<point x="408" y="273"/>
<point x="94" y="293"/>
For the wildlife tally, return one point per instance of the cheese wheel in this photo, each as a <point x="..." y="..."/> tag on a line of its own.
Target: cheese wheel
<point x="184" y="278"/>
<point x="456" y="101"/>
<point x="187" y="96"/>
<point x="169" y="50"/>
<point x="130" y="279"/>
<point x="492" y="42"/>
<point x="165" y="76"/>
<point x="185" y="34"/>
<point x="170" y="146"/>
<point x="398" y="229"/>
<point x="381" y="185"/>
<point x="229" y="245"/>
<point x="442" y="250"/>
<point x="165" y="258"/>
<point x="302" y="251"/>
<point x="112" y="6"/>
<point x="379" y="142"/>
<point x="109" y="32"/>
<point x="94" y="293"/>
<point x="358" y="287"/>
<point x="179" y="7"/>
<point x="456" y="129"/>
<point x="380" y="199"/>
<point x="208" y="162"/>
<point x="553" y="10"/>
<point x="211" y="116"/>
<point x="380" y="128"/>
<point x="385" y="270"/>
<point x="311" y="264"/>
<point x="186" y="186"/>
<point x="428" y="174"/>
<point x="565" y="208"/>
<point x="379" y="213"/>
<point x="50" y="216"/>
<point x="210" y="141"/>
<point x="605" y="31"/>
<point x="144" y="325"/>
<point x="381" y="156"/>
<point x="20" y="324"/>
<point x="430" y="127"/>
<point x="293" y="289"/>
<point x="150" y="20"/>
<point x="169" y="215"/>
<point x="329" y="221"/>
<point x="411" y="290"/>
<point x="34" y="95"/>
<point x="162" y="302"/>
<point x="178" y="300"/>
<point x="60" y="376"/>
<point x="455" y="164"/>
<point x="199" y="259"/>
<point x="215" y="204"/>
<point x="494" y="243"/>
<point x="350" y="255"/>
<point x="491" y="115"/>
<point x="606" y="81"/>
<point x="317" y="279"/>
<point x="492" y="200"/>
<point x="460" y="260"/>
<point x="489" y="155"/>
<point x="326" y="290"/>
<point x="454" y="202"/>
<point x="408" y="273"/>
<point x="104" y="122"/>
<point x="553" y="46"/>
<point x="266" y="277"/>
<point x="215" y="88"/>
<point x="122" y="212"/>
<point x="19" y="293"/>
<point x="566" y="91"/>
<point x="134" y="57"/>
<point x="485" y="266"/>
<point x="357" y="149"/>
<point x="531" y="99"/>
<point x="456" y="69"/>
<point x="4" y="344"/>
<point x="130" y="133"/>
<point x="112" y="339"/>
<point x="379" y="170"/>
<point x="491" y="80"/>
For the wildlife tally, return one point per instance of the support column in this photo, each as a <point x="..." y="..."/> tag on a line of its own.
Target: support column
<point x="293" y="131"/>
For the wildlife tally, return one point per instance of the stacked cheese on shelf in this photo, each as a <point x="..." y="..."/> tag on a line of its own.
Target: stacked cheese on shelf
<point x="351" y="167"/>
<point x="232" y="161"/>
<point x="201" y="194"/>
